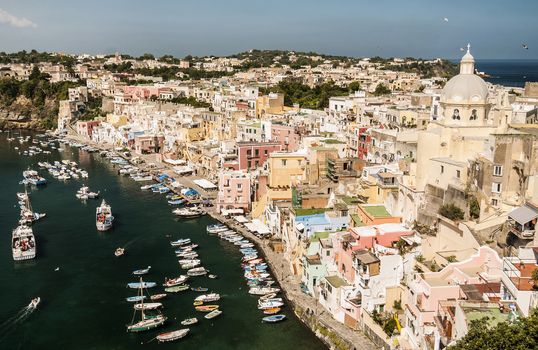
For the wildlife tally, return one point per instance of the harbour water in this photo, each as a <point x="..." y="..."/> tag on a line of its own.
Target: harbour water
<point x="509" y="72"/>
<point x="83" y="303"/>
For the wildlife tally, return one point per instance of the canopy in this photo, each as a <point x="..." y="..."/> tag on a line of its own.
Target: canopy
<point x="523" y="214"/>
<point x="205" y="184"/>
<point x="240" y="219"/>
<point x="237" y="211"/>
<point x="260" y="227"/>
<point x="174" y="161"/>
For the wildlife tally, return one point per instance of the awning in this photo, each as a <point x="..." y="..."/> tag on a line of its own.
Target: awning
<point x="175" y="161"/>
<point x="237" y="211"/>
<point x="240" y="219"/>
<point x="205" y="184"/>
<point x="250" y="226"/>
<point x="523" y="214"/>
<point x="299" y="226"/>
<point x="260" y="227"/>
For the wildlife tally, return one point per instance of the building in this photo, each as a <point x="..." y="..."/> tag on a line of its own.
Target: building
<point x="252" y="155"/>
<point x="85" y="128"/>
<point x="234" y="191"/>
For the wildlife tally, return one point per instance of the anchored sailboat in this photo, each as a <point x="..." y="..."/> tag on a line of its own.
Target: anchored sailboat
<point x="146" y="322"/>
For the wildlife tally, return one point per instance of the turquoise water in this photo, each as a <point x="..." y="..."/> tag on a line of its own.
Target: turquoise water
<point x="83" y="303"/>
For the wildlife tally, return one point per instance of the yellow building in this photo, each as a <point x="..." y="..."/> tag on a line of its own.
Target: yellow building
<point x="285" y="170"/>
<point x="117" y="120"/>
<point x="270" y="104"/>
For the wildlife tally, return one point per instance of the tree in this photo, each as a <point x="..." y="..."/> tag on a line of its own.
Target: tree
<point x="354" y="86"/>
<point x="474" y="208"/>
<point x="520" y="335"/>
<point x="451" y="211"/>
<point x="381" y="90"/>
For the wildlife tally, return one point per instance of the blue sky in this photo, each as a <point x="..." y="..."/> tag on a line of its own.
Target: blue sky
<point x="495" y="28"/>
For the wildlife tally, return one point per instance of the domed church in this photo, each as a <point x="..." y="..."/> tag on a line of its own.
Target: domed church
<point x="460" y="131"/>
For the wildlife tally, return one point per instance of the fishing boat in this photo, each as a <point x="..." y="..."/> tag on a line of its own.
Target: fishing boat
<point x="197" y="271"/>
<point x="263" y="305"/>
<point x="141" y="271"/>
<point x="148" y="187"/>
<point x="158" y="296"/>
<point x="205" y="298"/>
<point x="34" y="303"/>
<point x="146" y="322"/>
<point x="171" y="336"/>
<point x="199" y="289"/>
<point x="197" y="303"/>
<point x="119" y="252"/>
<point x="206" y="308"/>
<point x="171" y="282"/>
<point x="180" y="242"/>
<point x="190" y="265"/>
<point x="32" y="177"/>
<point x="217" y="228"/>
<point x="137" y="285"/>
<point x="263" y="290"/>
<point x="268" y="296"/>
<point x="189" y="321"/>
<point x="274" y="318"/>
<point x="103" y="217"/>
<point x="23" y="243"/>
<point x="212" y="276"/>
<point x="147" y="306"/>
<point x="213" y="314"/>
<point x="176" y="202"/>
<point x="176" y="289"/>
<point x="272" y="311"/>
<point x="188" y="261"/>
<point x="135" y="299"/>
<point x="188" y="213"/>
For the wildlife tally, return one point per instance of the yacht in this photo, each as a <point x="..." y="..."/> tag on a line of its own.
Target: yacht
<point x="23" y="243"/>
<point x="103" y="217"/>
<point x="188" y="213"/>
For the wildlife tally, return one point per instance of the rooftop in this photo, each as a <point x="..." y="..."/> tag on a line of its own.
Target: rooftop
<point x="336" y="281"/>
<point x="309" y="211"/>
<point x="377" y="211"/>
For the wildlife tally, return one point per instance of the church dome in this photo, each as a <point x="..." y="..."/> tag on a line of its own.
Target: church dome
<point x="465" y="87"/>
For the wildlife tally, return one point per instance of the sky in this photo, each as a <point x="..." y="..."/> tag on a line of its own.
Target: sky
<point x="360" y="28"/>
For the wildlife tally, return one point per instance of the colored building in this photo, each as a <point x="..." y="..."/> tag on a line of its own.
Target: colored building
<point x="234" y="191"/>
<point x="252" y="155"/>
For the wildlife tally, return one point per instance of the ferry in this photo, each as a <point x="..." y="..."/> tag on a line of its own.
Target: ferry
<point x="103" y="217"/>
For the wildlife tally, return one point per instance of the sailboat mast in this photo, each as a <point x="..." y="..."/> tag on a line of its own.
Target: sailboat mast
<point x="142" y="297"/>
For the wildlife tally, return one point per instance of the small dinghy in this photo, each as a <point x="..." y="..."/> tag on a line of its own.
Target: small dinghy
<point x="137" y="285"/>
<point x="206" y="308"/>
<point x="135" y="299"/>
<point x="272" y="311"/>
<point x="119" y="252"/>
<point x="158" y="296"/>
<point x="274" y="318"/>
<point x="177" y="289"/>
<point x="213" y="314"/>
<point x="171" y="336"/>
<point x="141" y="271"/>
<point x="189" y="321"/>
<point x="171" y="282"/>
<point x="34" y="303"/>
<point x="199" y="289"/>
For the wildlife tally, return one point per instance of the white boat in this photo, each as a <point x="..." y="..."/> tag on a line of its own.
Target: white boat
<point x="188" y="213"/>
<point x="170" y="282"/>
<point x="34" y="303"/>
<point x="262" y="305"/>
<point x="119" y="252"/>
<point x="263" y="290"/>
<point x="197" y="271"/>
<point x="189" y="321"/>
<point x="171" y="336"/>
<point x="147" y="306"/>
<point x="103" y="217"/>
<point x="23" y="243"/>
<point x="213" y="314"/>
<point x="141" y="271"/>
<point x="180" y="242"/>
<point x="206" y="298"/>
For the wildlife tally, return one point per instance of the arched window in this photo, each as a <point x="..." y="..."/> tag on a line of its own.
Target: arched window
<point x="456" y="115"/>
<point x="474" y="115"/>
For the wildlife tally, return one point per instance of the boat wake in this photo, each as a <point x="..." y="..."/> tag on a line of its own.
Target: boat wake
<point x="11" y="323"/>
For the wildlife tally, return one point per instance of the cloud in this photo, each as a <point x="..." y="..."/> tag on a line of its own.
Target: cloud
<point x="14" y="21"/>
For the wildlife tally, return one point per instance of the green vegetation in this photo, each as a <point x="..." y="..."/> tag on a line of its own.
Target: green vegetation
<point x="474" y="208"/>
<point x="34" y="97"/>
<point x="520" y="335"/>
<point x="451" y="211"/>
<point x="192" y="101"/>
<point x="443" y="69"/>
<point x="166" y="73"/>
<point x="377" y="211"/>
<point x="313" y="98"/>
<point x="381" y="90"/>
<point x="386" y="321"/>
<point x="451" y="258"/>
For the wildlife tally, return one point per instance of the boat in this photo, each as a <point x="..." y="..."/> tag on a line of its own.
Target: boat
<point x="119" y="252"/>
<point x="263" y="290"/>
<point x="171" y="336"/>
<point x="217" y="228"/>
<point x="198" y="303"/>
<point x="272" y="311"/>
<point x="176" y="289"/>
<point x="180" y="242"/>
<point x="205" y="298"/>
<point x="176" y="202"/>
<point x="274" y="318"/>
<point x="206" y="308"/>
<point x="32" y="177"/>
<point x="135" y="299"/>
<point x="189" y="321"/>
<point x="212" y="276"/>
<point x="103" y="217"/>
<point x="190" y="265"/>
<point x="147" y="306"/>
<point x="268" y="296"/>
<point x="171" y="282"/>
<point x="158" y="296"/>
<point x="146" y="322"/>
<point x="263" y="305"/>
<point x="23" y="243"/>
<point x="137" y="285"/>
<point x="199" y="289"/>
<point x="188" y="213"/>
<point x="34" y="303"/>
<point x="213" y="314"/>
<point x="142" y="271"/>
<point x="197" y="271"/>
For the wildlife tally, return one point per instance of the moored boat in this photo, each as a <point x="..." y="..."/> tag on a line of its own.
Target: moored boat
<point x="176" y="289"/>
<point x="158" y="296"/>
<point x="171" y="282"/>
<point x="274" y="318"/>
<point x="171" y="336"/>
<point x="135" y="299"/>
<point x="205" y="298"/>
<point x="199" y="289"/>
<point x="146" y="322"/>
<point x="189" y="321"/>
<point x="272" y="311"/>
<point x="197" y="271"/>
<point x="147" y="306"/>
<point x="206" y="308"/>
<point x="142" y="271"/>
<point x="213" y="314"/>
<point x="136" y="285"/>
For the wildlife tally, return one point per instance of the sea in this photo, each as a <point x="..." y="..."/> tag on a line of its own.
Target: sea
<point x="512" y="73"/>
<point x="82" y="284"/>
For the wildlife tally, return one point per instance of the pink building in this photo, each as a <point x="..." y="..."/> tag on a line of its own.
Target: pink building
<point x="148" y="144"/>
<point x="252" y="155"/>
<point x="286" y="136"/>
<point x="143" y="92"/>
<point x="85" y="128"/>
<point x="456" y="281"/>
<point x="234" y="191"/>
<point x="383" y="234"/>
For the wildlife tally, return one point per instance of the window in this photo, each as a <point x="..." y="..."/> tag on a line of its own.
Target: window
<point x="456" y="115"/>
<point x="239" y="186"/>
<point x="474" y="115"/>
<point x="249" y="164"/>
<point x="284" y="161"/>
<point x="249" y="153"/>
<point x="458" y="174"/>
<point x="256" y="152"/>
<point x="265" y="152"/>
<point x="494" y="202"/>
<point x="496" y="187"/>
<point x="497" y="170"/>
<point x="442" y="169"/>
